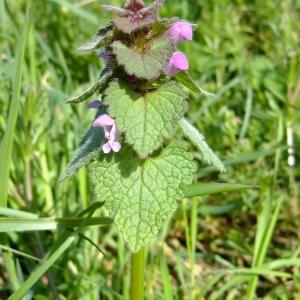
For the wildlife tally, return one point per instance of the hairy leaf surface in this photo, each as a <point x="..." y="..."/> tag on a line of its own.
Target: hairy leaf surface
<point x="147" y="119"/>
<point x="101" y="39"/>
<point x="89" y="148"/>
<point x="148" y="64"/>
<point x="142" y="195"/>
<point x="105" y="76"/>
<point x="135" y="15"/>
<point x="127" y="26"/>
<point x="185" y="79"/>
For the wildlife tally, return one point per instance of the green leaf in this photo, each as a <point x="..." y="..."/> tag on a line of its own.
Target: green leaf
<point x="148" y="63"/>
<point x="199" y="141"/>
<point x="105" y="76"/>
<point x="202" y="189"/>
<point x="101" y="39"/>
<point x="89" y="148"/>
<point x="185" y="79"/>
<point x="142" y="195"/>
<point x="147" y="119"/>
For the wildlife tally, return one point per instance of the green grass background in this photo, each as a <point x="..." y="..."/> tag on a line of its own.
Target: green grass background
<point x="248" y="54"/>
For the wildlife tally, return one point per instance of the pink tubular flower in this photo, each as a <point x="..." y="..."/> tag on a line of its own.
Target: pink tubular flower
<point x="111" y="133"/>
<point x="180" y="32"/>
<point x="177" y="63"/>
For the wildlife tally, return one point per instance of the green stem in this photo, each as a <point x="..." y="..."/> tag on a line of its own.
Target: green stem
<point x="137" y="275"/>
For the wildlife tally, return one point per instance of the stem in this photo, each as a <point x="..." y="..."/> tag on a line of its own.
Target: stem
<point x="137" y="275"/>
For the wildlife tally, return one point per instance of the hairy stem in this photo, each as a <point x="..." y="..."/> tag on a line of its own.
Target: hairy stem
<point x="137" y="275"/>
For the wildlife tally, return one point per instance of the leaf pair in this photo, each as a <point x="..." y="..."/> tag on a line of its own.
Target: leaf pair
<point x="146" y="119"/>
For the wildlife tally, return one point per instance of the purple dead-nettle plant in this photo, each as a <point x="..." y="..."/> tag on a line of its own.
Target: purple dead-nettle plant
<point x="141" y="103"/>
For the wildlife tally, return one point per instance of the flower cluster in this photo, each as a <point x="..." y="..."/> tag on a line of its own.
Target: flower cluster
<point x="179" y="32"/>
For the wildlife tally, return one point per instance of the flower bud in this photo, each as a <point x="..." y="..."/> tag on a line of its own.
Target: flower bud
<point x="95" y="104"/>
<point x="177" y="63"/>
<point x="180" y="32"/>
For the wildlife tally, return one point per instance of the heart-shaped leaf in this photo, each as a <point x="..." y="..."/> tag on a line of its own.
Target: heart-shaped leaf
<point x="142" y="195"/>
<point x="146" y="118"/>
<point x="148" y="63"/>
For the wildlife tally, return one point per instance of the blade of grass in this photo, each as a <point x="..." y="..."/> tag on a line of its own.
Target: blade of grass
<point x="280" y="263"/>
<point x="243" y="159"/>
<point x="267" y="221"/>
<point x="80" y="276"/>
<point x="7" y="142"/>
<point x="249" y="103"/>
<point x="193" y="231"/>
<point x="21" y="225"/>
<point x="262" y="250"/>
<point x="233" y="282"/>
<point x="166" y="279"/>
<point x="14" y="213"/>
<point x="61" y="246"/>
<point x="64" y="241"/>
<point x="77" y="10"/>
<point x="202" y="189"/>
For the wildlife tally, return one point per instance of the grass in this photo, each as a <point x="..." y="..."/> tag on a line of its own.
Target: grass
<point x="236" y="245"/>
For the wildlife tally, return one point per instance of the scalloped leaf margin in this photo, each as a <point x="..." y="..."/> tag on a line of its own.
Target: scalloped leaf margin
<point x="147" y="64"/>
<point x="142" y="195"/>
<point x="146" y="119"/>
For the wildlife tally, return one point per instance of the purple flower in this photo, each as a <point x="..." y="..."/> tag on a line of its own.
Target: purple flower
<point x="111" y="133"/>
<point x="95" y="104"/>
<point x="177" y="63"/>
<point x="180" y="32"/>
<point x="105" y="55"/>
